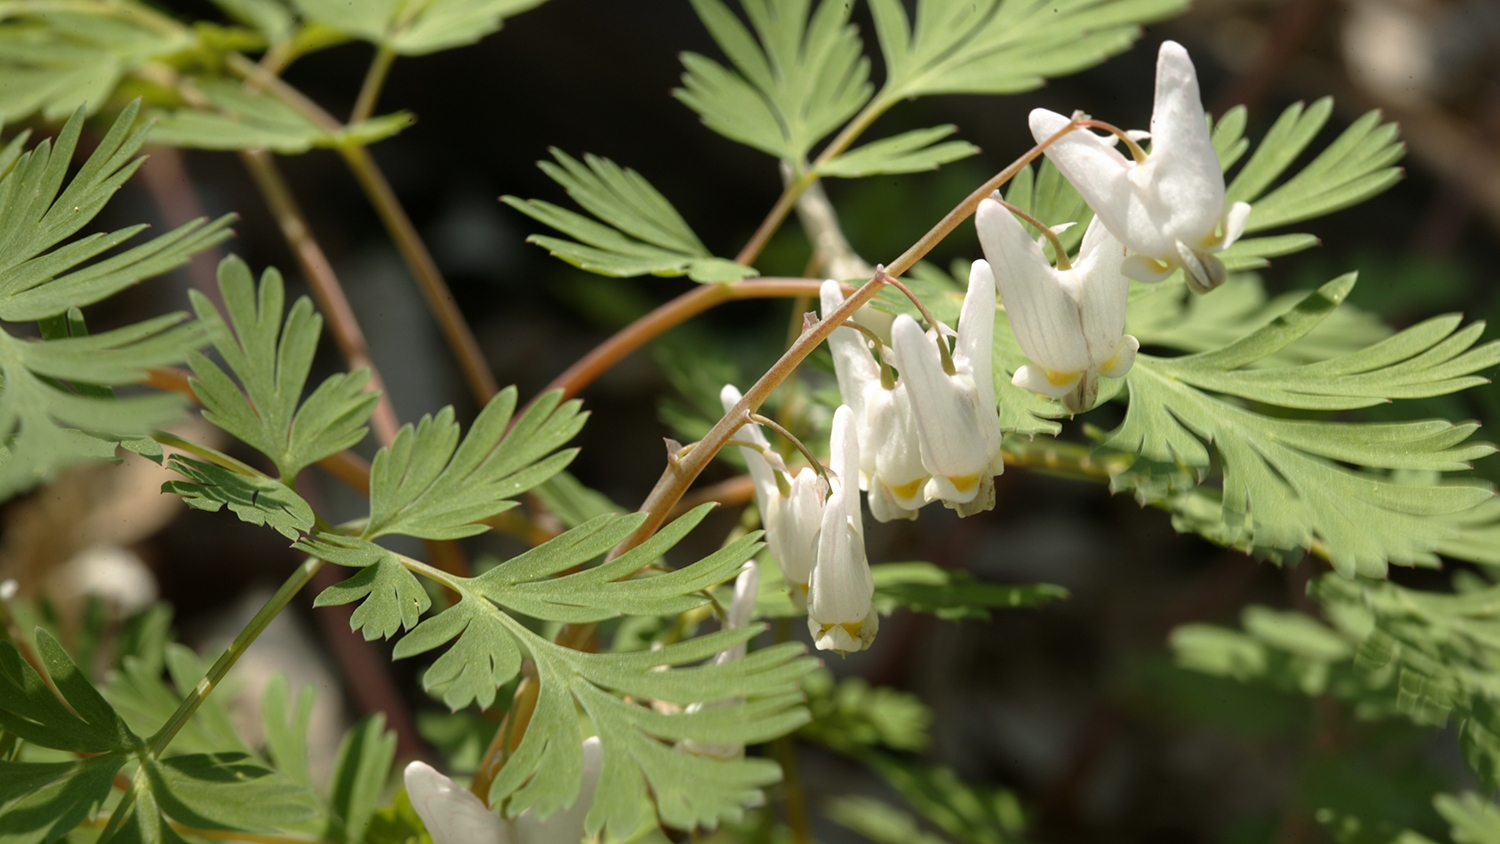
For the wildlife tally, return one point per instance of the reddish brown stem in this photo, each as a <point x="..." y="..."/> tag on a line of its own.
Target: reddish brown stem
<point x="673" y="313"/>
<point x="322" y="281"/>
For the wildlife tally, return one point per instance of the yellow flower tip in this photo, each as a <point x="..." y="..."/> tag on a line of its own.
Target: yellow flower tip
<point x="965" y="483"/>
<point x="906" y="492"/>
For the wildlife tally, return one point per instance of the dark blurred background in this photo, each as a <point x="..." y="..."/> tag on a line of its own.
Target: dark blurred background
<point x="1075" y="707"/>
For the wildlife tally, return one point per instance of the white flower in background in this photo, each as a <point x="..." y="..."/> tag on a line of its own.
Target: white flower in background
<point x="453" y="815"/>
<point x="741" y="609"/>
<point x="840" y="614"/>
<point x="890" y="460"/>
<point x="1069" y="322"/>
<point x="791" y="506"/>
<point x="957" y="426"/>
<point x="1169" y="209"/>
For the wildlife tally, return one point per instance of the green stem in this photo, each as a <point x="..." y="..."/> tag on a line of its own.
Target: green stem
<point x="788" y="199"/>
<point x="158" y="743"/>
<point x="223" y="461"/>
<point x="369" y="92"/>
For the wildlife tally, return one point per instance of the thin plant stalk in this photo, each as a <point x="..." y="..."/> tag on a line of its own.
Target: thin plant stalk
<point x="369" y="92"/>
<point x="158" y="743"/>
<point x="673" y="313"/>
<point x="456" y="332"/>
<point x="322" y="281"/>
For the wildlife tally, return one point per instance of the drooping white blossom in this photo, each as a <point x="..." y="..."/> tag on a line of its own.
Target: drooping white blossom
<point x="891" y="467"/>
<point x="1169" y="209"/>
<point x="453" y="815"/>
<point x="741" y="609"/>
<point x="958" y="429"/>
<point x="840" y="613"/>
<point x="1070" y="323"/>
<point x="791" y="506"/>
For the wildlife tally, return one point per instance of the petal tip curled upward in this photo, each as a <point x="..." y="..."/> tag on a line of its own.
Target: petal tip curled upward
<point x="1168" y="210"/>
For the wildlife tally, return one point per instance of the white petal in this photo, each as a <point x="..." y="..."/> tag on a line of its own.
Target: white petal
<point x="842" y="587"/>
<point x="1102" y="292"/>
<point x="853" y="364"/>
<point x="976" y="330"/>
<point x="1147" y="270"/>
<point x="884" y="506"/>
<point x="567" y="825"/>
<point x="948" y="423"/>
<point x="452" y="815"/>
<point x="1093" y="166"/>
<point x="898" y="453"/>
<point x="1187" y="178"/>
<point x="1043" y="315"/>
<point x="843" y="460"/>
<point x="792" y="527"/>
<point x="1235" y="220"/>
<point x="1123" y="358"/>
<point x="1035" y="379"/>
<point x="746" y="586"/>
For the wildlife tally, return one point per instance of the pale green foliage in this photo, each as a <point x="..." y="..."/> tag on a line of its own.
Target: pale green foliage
<point x="55" y="62"/>
<point x="908" y="152"/>
<point x="254" y="498"/>
<point x="427" y="484"/>
<point x="43" y="800"/>
<point x="878" y="821"/>
<point x="851" y="714"/>
<point x="272" y="364"/>
<point x="235" y="118"/>
<point x="1283" y="487"/>
<point x="798" y="78"/>
<point x="999" y="47"/>
<point x="1002" y="46"/>
<point x="490" y="643"/>
<point x="52" y="411"/>
<point x="415" y="27"/>
<point x="641" y="232"/>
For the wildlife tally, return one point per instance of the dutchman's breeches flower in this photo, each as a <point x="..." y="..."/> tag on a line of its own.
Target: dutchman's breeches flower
<point x="453" y="815"/>
<point x="1169" y="209"/>
<point x="1070" y="323"/>
<point x="958" y="428"/>
<point x="840" y="612"/>
<point x="891" y="467"/>
<point x="791" y="507"/>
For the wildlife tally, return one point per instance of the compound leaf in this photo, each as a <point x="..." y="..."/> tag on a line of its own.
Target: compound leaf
<point x="798" y="78"/>
<point x="641" y="232"/>
<point x="235" y="118"/>
<point x="272" y="363"/>
<point x="1002" y="46"/>
<point x="255" y="499"/>
<point x="416" y="28"/>
<point x="1285" y="482"/>
<point x="427" y="484"/>
<point x="393" y="599"/>
<point x="909" y="152"/>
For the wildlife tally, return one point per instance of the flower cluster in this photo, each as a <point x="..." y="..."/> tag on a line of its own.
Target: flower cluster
<point x="919" y="423"/>
<point x="1153" y="214"/>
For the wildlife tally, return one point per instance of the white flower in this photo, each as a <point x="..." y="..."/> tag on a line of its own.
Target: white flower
<point x="957" y="426"/>
<point x="1070" y="323"/>
<point x="890" y="460"/>
<point x="741" y="608"/>
<point x="453" y="815"/>
<point x="840" y="614"/>
<point x="1168" y="210"/>
<point x="791" y="506"/>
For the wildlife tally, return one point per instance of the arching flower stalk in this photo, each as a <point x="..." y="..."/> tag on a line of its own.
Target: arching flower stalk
<point x="1167" y="208"/>
<point x="1069" y="320"/>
